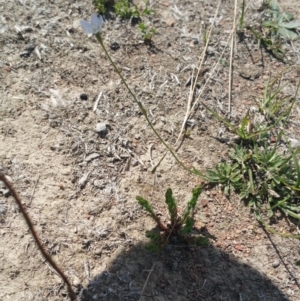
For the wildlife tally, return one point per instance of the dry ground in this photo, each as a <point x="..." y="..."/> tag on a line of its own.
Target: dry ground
<point x="79" y="187"/>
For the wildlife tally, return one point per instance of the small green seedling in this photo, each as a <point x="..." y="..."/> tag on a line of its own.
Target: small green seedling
<point x="147" y="33"/>
<point x="242" y="15"/>
<point x="125" y="11"/>
<point x="179" y="226"/>
<point x="100" y="5"/>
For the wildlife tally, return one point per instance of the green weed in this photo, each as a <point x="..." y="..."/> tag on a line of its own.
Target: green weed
<point x="147" y="33"/>
<point x="180" y="225"/>
<point x="265" y="179"/>
<point x="100" y="5"/>
<point x="275" y="29"/>
<point x="265" y="174"/>
<point x="274" y="109"/>
<point x="125" y="10"/>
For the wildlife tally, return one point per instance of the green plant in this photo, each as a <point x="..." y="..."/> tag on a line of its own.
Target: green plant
<point x="123" y="9"/>
<point x="242" y="15"/>
<point x="277" y="27"/>
<point x="264" y="177"/>
<point x="280" y="23"/>
<point x="274" y="109"/>
<point x="179" y="226"/>
<point x="147" y="33"/>
<point x="100" y="5"/>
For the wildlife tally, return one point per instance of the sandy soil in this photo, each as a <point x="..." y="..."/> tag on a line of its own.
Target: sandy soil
<point x="79" y="186"/>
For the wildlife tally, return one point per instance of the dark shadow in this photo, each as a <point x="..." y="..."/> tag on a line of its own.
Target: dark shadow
<point x="280" y="257"/>
<point x="181" y="273"/>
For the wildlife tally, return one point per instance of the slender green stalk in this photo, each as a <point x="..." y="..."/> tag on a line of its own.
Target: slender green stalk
<point x="142" y="109"/>
<point x="243" y="15"/>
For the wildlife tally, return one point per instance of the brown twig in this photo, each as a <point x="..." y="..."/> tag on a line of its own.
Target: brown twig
<point x="36" y="238"/>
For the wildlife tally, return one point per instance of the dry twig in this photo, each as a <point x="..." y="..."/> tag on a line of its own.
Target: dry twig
<point x="36" y="238"/>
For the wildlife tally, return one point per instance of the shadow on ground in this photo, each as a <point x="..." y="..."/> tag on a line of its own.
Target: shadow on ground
<point x="181" y="273"/>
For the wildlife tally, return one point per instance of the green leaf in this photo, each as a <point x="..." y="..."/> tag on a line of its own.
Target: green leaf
<point x="268" y="24"/>
<point x="146" y="205"/>
<point x="285" y="17"/>
<point x="152" y="247"/>
<point x="172" y="206"/>
<point x="273" y="5"/>
<point x="287" y="33"/>
<point x="187" y="228"/>
<point x="297" y="167"/>
<point x="202" y="241"/>
<point x="293" y="214"/>
<point x="192" y="203"/>
<point x="291" y="25"/>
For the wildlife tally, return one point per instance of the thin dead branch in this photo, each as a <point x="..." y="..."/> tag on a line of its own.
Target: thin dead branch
<point x="36" y="238"/>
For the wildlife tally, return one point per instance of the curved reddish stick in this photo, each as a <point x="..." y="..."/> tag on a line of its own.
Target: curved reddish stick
<point x="36" y="238"/>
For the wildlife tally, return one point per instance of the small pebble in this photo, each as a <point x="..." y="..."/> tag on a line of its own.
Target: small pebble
<point x="3" y="208"/>
<point x="170" y="22"/>
<point x="210" y="50"/>
<point x="101" y="128"/>
<point x="6" y="193"/>
<point x="83" y="96"/>
<point x="223" y="43"/>
<point x="294" y="142"/>
<point x="276" y="263"/>
<point x="195" y="41"/>
<point x="114" y="46"/>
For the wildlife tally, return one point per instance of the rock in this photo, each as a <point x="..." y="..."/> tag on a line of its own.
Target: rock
<point x="101" y="128"/>
<point x="76" y="281"/>
<point x="99" y="184"/>
<point x="83" y="96"/>
<point x="294" y="142"/>
<point x="97" y="251"/>
<point x="3" y="208"/>
<point x="5" y="192"/>
<point x="223" y="43"/>
<point x="275" y="264"/>
<point x="28" y="50"/>
<point x="210" y="50"/>
<point x="251" y="72"/>
<point x="191" y="122"/>
<point x="114" y="46"/>
<point x="170" y="22"/>
<point x="76" y="24"/>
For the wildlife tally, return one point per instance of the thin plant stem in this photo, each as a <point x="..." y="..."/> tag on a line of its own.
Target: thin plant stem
<point x="36" y="238"/>
<point x="142" y="109"/>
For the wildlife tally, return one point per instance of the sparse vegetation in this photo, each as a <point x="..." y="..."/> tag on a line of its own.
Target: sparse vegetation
<point x="180" y="226"/>
<point x="125" y="10"/>
<point x="101" y="5"/>
<point x="263" y="169"/>
<point x="276" y="27"/>
<point x="147" y="33"/>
